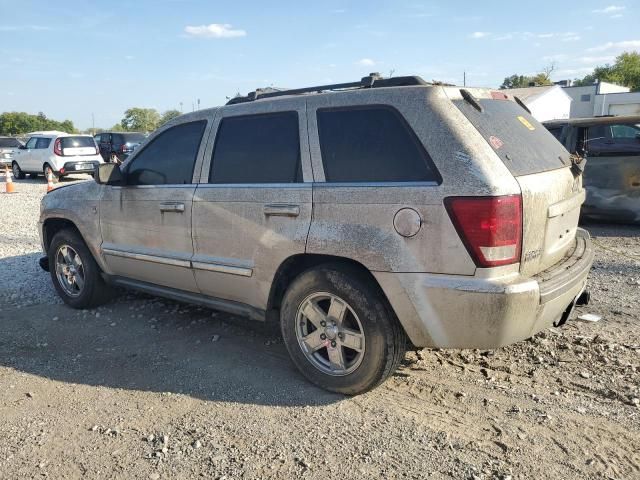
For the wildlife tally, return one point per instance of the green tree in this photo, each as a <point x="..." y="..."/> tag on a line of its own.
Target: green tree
<point x="168" y="115"/>
<point x="15" y="123"/>
<point x="140" y="119"/>
<point x="521" y="81"/>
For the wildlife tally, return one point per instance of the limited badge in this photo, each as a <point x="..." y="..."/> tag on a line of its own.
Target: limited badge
<point x="526" y="122"/>
<point x="495" y="142"/>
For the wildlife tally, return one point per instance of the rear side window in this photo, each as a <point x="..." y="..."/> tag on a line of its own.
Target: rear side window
<point x="371" y="144"/>
<point x="257" y="149"/>
<point x="75" y="142"/>
<point x="170" y="157"/>
<point x="625" y="131"/>
<point x="132" y="137"/>
<point x="43" y="143"/>
<point x="521" y="142"/>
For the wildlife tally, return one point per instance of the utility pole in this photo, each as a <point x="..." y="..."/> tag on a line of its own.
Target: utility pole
<point x="464" y="79"/>
<point x="180" y="107"/>
<point x="93" y="124"/>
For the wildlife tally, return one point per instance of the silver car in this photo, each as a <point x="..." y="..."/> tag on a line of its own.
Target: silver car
<point x="364" y="217"/>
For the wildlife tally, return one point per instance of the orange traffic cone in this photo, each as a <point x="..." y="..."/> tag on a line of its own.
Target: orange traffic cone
<point x="49" y="180"/>
<point x="8" y="182"/>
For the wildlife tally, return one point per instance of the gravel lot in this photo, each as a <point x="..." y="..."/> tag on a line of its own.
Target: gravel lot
<point x="148" y="388"/>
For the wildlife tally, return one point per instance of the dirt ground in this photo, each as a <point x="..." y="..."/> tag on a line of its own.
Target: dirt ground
<point x="149" y="388"/>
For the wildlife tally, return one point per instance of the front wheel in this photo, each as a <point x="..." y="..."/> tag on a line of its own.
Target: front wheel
<point x="74" y="272"/>
<point x="338" y="331"/>
<point x="18" y="174"/>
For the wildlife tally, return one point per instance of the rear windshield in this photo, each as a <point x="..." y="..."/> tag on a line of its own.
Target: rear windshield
<point x="523" y="144"/>
<point x="9" y="143"/>
<point x="133" y="137"/>
<point x="74" y="142"/>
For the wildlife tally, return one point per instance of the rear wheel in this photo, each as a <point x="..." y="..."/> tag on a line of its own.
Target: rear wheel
<point x="46" y="169"/>
<point x="18" y="174"/>
<point x="74" y="272"/>
<point x="339" y="332"/>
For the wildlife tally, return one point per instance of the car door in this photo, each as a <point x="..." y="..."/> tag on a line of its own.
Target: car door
<point x="25" y="158"/>
<point x="146" y="223"/>
<point x="40" y="155"/>
<point x="252" y="209"/>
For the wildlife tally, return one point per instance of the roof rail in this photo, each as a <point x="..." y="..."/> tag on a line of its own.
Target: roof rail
<point x="373" y="80"/>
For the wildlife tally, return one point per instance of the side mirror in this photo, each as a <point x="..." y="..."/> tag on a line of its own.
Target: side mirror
<point x="22" y="147"/>
<point x="108" y="174"/>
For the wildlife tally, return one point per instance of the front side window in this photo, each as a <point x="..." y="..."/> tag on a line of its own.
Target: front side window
<point x="262" y="148"/>
<point x="625" y="131"/>
<point x="32" y="142"/>
<point x="371" y="144"/>
<point x="170" y="157"/>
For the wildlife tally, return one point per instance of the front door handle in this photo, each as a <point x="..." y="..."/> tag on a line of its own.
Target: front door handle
<point x="172" y="207"/>
<point x="281" y="210"/>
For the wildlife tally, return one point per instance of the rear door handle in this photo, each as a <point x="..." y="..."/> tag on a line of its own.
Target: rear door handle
<point x="172" y="207"/>
<point x="281" y="210"/>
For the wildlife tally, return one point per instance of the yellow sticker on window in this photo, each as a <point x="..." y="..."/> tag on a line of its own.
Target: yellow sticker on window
<point x="526" y="122"/>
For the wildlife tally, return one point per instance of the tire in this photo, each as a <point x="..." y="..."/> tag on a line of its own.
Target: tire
<point x="368" y="324"/>
<point x="17" y="172"/>
<point x="54" y="175"/>
<point x="93" y="291"/>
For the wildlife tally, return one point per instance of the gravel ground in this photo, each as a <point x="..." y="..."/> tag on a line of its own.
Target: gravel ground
<point x="148" y="388"/>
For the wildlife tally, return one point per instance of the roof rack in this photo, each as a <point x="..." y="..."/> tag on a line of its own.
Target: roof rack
<point x="373" y="80"/>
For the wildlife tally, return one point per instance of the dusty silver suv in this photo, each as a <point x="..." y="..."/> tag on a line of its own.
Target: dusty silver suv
<point x="357" y="214"/>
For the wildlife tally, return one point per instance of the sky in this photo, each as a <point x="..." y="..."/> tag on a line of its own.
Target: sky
<point x="90" y="61"/>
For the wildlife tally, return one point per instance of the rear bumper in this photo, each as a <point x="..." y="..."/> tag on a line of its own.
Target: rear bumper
<point x="79" y="167"/>
<point x="447" y="311"/>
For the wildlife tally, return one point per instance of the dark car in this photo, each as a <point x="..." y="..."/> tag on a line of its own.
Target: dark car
<point x="611" y="146"/>
<point x="116" y="146"/>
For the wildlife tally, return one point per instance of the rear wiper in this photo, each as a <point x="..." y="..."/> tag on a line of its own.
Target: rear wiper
<point x="466" y="94"/>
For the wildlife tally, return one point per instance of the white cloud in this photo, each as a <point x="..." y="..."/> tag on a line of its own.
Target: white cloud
<point x="571" y="38"/>
<point x="609" y="9"/>
<point x="366" y="62"/>
<point x="617" y="15"/>
<point x="627" y="44"/>
<point x="506" y="36"/>
<point x="574" y="71"/>
<point x="477" y="35"/>
<point x="559" y="57"/>
<point x="599" y="60"/>
<point x="214" y="30"/>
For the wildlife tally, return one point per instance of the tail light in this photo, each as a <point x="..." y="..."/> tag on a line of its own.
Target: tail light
<point x="123" y="148"/>
<point x="490" y="227"/>
<point x="57" y="147"/>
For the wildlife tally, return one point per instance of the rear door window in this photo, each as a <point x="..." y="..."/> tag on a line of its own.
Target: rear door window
<point x="262" y="148"/>
<point x="43" y="143"/>
<point x="613" y="140"/>
<point x="170" y="157"/>
<point x="371" y="144"/>
<point x="521" y="142"/>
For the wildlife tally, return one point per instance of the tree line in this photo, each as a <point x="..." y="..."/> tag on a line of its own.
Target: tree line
<point x="624" y="71"/>
<point x="16" y="123"/>
<point x="135" y="120"/>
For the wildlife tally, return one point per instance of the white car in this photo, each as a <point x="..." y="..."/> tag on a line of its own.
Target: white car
<point x="8" y="146"/>
<point x="60" y="153"/>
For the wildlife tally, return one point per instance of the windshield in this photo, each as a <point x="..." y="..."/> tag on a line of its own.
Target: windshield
<point x="524" y="145"/>
<point x="134" y="137"/>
